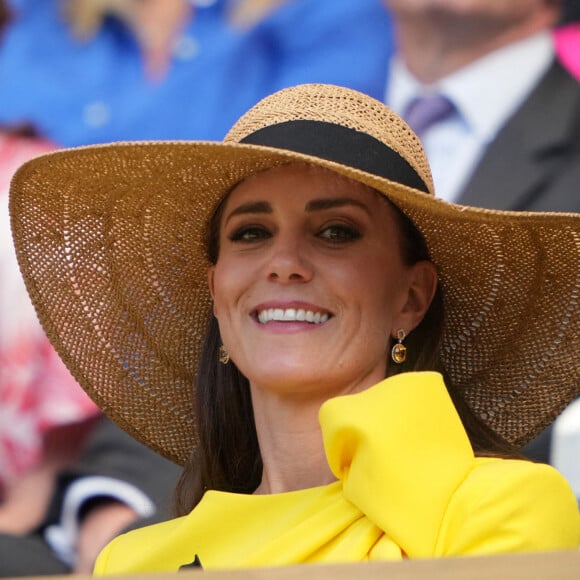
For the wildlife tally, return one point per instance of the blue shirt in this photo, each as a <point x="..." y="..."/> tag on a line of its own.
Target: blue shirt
<point x="80" y="93"/>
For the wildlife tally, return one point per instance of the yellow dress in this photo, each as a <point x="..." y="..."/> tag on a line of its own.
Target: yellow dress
<point x="408" y="485"/>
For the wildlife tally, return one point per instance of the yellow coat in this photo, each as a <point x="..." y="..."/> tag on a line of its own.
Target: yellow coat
<point x="408" y="486"/>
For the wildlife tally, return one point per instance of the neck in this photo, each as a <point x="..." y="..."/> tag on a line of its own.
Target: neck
<point x="433" y="45"/>
<point x="290" y="443"/>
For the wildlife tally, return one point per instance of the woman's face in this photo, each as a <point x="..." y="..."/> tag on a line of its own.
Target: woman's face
<point x="310" y="285"/>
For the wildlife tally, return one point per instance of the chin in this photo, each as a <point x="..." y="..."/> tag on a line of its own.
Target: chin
<point x="286" y="376"/>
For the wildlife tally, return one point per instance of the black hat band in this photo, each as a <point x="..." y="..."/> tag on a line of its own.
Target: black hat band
<point x="339" y="144"/>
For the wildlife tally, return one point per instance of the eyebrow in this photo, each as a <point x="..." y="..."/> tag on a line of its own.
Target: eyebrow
<point x="257" y="207"/>
<point x="330" y="203"/>
<point x="250" y="207"/>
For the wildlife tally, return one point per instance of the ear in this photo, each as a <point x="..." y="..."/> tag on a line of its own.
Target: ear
<point x="421" y="287"/>
<point x="211" y="285"/>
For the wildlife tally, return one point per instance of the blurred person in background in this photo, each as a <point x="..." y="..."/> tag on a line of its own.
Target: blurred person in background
<point x="69" y="479"/>
<point x="113" y="484"/>
<point x="43" y="412"/>
<point x="104" y="72"/>
<point x="495" y="64"/>
<point x="108" y="70"/>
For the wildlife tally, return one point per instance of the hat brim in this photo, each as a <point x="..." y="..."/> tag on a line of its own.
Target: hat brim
<point x="111" y="243"/>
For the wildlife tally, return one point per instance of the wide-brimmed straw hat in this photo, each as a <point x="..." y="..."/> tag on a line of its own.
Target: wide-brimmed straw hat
<point x="111" y="243"/>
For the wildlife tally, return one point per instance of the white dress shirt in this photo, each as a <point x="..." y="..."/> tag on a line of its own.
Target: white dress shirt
<point x="565" y="449"/>
<point x="486" y="94"/>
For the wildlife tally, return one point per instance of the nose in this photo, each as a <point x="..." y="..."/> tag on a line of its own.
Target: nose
<point x="289" y="261"/>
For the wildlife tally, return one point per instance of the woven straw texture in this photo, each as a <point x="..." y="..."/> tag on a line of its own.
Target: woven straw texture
<point x="110" y="241"/>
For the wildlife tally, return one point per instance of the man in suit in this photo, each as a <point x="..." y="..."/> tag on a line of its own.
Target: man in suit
<point x="510" y="138"/>
<point x="117" y="483"/>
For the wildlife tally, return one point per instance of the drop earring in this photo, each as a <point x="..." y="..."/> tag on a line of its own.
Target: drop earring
<point x="399" y="350"/>
<point x="224" y="355"/>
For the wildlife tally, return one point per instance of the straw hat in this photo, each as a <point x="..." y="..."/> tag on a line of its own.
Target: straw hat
<point x="110" y="240"/>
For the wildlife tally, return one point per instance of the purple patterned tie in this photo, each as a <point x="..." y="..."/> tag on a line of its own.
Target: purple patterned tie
<point x="424" y="112"/>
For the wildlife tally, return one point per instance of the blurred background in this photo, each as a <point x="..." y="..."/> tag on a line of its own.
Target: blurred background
<point x="491" y="87"/>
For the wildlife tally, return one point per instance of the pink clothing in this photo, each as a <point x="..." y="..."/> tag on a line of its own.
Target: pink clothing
<point x="567" y="42"/>
<point x="36" y="390"/>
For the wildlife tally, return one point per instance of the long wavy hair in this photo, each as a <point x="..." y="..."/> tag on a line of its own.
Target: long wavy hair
<point x="227" y="457"/>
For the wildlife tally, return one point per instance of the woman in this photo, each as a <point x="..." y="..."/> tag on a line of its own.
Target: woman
<point x="313" y="236"/>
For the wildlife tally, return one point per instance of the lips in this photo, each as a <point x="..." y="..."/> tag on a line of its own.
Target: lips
<point x="292" y="315"/>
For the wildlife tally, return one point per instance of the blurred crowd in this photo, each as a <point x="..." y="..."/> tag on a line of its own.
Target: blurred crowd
<point x="491" y="87"/>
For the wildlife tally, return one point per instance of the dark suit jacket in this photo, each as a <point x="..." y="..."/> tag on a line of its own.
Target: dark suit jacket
<point x="534" y="162"/>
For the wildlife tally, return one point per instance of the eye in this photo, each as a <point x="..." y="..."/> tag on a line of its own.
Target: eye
<point x="339" y="233"/>
<point x="249" y="234"/>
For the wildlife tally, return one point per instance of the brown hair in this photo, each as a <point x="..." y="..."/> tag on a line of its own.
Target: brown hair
<point x="227" y="456"/>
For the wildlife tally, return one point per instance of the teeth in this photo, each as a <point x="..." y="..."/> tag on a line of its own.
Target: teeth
<point x="291" y="314"/>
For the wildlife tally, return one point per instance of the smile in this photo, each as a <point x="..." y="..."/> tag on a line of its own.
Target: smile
<point x="292" y="315"/>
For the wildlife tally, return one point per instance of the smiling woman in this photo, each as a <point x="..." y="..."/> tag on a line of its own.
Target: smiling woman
<point x="342" y="362"/>
<point x="302" y="242"/>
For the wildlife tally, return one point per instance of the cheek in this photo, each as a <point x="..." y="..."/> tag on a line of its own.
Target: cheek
<point x="381" y="290"/>
<point x="231" y="279"/>
<point x="220" y="288"/>
<point x="380" y="278"/>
